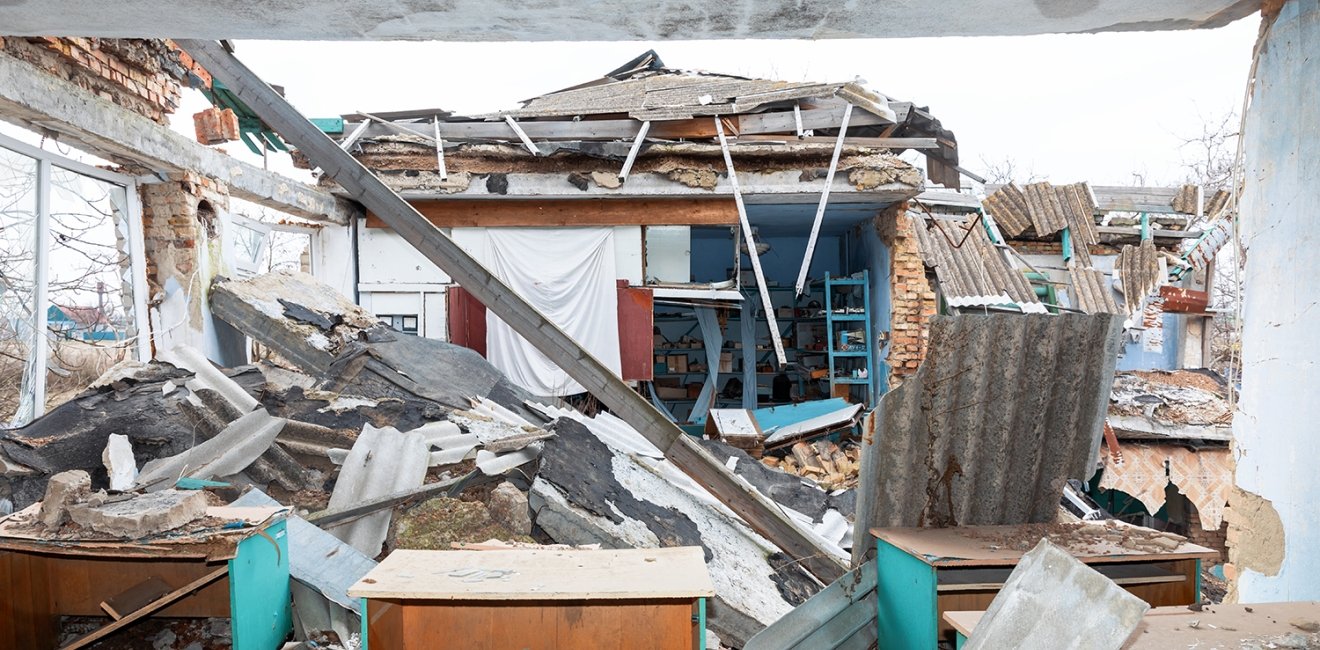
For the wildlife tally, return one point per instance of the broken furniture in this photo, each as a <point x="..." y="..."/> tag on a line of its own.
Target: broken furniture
<point x="924" y="572"/>
<point x="235" y="565"/>
<point x="537" y="598"/>
<point x="1212" y="626"/>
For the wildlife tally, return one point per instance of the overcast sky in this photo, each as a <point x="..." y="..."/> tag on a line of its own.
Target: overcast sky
<point x="1063" y="107"/>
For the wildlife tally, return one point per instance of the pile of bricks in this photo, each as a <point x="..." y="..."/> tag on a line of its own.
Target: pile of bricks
<point x="144" y="76"/>
<point x="1215" y="539"/>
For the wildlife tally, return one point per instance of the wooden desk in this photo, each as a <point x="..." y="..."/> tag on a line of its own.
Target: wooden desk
<point x="534" y="598"/>
<point x="924" y="572"/>
<point x="1216" y="626"/>
<point x="44" y="578"/>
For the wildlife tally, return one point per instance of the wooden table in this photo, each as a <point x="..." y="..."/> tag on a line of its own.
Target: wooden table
<point x="537" y="598"/>
<point x="924" y="572"/>
<point x="241" y="573"/>
<point x="1215" y="626"/>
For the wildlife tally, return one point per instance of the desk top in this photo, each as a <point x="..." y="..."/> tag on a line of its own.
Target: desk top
<point x="1111" y="541"/>
<point x="539" y="574"/>
<point x="1215" y="626"/>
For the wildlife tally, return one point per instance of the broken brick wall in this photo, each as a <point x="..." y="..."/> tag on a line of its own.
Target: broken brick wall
<point x="912" y="299"/>
<point x="182" y="226"/>
<point x="145" y="76"/>
<point x="1215" y="539"/>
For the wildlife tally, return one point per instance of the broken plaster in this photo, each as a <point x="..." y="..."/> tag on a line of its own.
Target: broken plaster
<point x="1255" y="536"/>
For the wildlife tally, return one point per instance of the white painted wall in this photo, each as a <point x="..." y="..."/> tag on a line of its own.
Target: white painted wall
<point x="1275" y="428"/>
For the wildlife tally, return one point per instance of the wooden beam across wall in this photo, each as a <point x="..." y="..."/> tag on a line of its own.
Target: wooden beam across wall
<point x="472" y="213"/>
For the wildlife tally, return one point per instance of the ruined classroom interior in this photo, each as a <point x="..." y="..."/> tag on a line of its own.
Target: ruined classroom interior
<point x="666" y="358"/>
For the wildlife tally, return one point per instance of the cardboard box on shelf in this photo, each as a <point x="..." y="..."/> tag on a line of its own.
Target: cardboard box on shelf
<point x="677" y="362"/>
<point x="726" y="362"/>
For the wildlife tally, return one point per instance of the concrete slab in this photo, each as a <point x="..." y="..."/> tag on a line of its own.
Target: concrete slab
<point x="1052" y="601"/>
<point x="149" y="514"/>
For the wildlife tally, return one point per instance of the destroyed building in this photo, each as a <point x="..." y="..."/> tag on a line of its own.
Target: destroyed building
<point x="765" y="263"/>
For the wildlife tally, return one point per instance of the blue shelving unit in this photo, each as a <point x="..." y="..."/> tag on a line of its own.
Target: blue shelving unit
<point x="841" y="295"/>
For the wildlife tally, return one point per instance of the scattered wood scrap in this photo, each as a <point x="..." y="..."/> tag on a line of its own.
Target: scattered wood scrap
<point x="831" y="466"/>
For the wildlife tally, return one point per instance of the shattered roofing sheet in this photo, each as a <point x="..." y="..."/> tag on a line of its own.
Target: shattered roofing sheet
<point x="1002" y="412"/>
<point x="674" y="95"/>
<point x="971" y="271"/>
<point x="1138" y="272"/>
<point x="1046" y="209"/>
<point x="1090" y="292"/>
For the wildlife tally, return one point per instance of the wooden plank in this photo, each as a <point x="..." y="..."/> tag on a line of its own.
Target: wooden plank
<point x="555" y="574"/>
<point x="878" y="143"/>
<point x="763" y="515"/>
<point x="824" y="201"/>
<point x="327" y="518"/>
<point x="146" y="611"/>
<point x="975" y="545"/>
<point x="628" y="129"/>
<point x="135" y="597"/>
<point x="491" y="213"/>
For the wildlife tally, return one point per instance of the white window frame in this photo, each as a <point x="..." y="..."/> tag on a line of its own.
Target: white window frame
<point x="136" y="252"/>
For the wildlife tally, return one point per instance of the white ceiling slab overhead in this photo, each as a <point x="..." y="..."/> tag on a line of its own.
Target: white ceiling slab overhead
<point x="601" y="20"/>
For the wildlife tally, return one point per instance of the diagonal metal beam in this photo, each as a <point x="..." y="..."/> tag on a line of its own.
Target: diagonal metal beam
<point x="759" y="512"/>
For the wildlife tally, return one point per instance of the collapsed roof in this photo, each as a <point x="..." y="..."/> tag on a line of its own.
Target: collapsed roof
<point x="645" y="110"/>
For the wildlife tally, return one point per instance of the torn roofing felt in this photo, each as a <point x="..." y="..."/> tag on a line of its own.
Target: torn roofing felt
<point x="1004" y="409"/>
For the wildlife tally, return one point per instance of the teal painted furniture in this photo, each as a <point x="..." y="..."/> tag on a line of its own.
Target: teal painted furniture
<point x="260" y="612"/>
<point x="924" y="572"/>
<point x="240" y="572"/>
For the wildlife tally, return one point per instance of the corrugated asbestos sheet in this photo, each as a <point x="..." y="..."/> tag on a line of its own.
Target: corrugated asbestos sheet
<point x="842" y="616"/>
<point x="1138" y="273"/>
<point x="1091" y="292"/>
<point x="1002" y="412"/>
<point x="971" y="271"/>
<point x="1188" y="198"/>
<point x="674" y="95"/>
<point x="1046" y="209"/>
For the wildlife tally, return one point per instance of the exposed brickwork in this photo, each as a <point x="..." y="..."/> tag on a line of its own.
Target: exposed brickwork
<point x="180" y="218"/>
<point x="144" y="76"/>
<point x="1215" y="539"/>
<point x="912" y="298"/>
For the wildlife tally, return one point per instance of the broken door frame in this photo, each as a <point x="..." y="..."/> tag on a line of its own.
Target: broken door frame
<point x="763" y="515"/>
<point x="136" y="243"/>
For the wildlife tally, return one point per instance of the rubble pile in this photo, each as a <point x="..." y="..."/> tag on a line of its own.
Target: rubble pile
<point x="370" y="441"/>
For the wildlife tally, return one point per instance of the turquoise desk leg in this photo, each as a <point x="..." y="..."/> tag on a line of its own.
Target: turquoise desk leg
<point x="364" y="624"/>
<point x="962" y="640"/>
<point x="907" y="617"/>
<point x="700" y="618"/>
<point x="1198" y="580"/>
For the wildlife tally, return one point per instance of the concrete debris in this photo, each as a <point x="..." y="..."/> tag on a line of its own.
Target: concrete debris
<point x="508" y="507"/>
<point x="141" y="516"/>
<point x="63" y="489"/>
<point x="1051" y="601"/>
<point x="1179" y="404"/>
<point x="119" y="463"/>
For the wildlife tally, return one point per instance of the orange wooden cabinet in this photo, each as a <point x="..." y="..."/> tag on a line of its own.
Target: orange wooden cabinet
<point x="538" y="599"/>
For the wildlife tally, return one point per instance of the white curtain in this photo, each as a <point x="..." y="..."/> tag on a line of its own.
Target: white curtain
<point x="567" y="274"/>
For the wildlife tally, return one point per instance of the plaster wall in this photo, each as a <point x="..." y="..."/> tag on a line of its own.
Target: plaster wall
<point x="1275" y="426"/>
